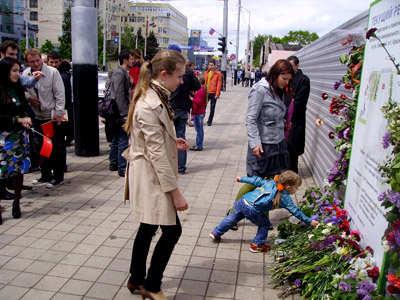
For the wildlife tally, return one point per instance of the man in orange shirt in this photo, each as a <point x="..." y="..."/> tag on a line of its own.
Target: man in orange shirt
<point x="213" y="81"/>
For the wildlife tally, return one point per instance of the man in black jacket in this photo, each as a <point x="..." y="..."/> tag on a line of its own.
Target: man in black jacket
<point x="181" y="103"/>
<point x="301" y="89"/>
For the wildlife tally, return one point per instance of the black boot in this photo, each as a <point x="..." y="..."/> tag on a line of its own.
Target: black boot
<point x="16" y="211"/>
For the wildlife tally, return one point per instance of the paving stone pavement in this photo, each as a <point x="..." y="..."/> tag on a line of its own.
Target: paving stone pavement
<point x="75" y="241"/>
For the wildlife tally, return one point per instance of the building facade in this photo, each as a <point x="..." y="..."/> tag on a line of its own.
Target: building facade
<point x="12" y="23"/>
<point x="167" y="23"/>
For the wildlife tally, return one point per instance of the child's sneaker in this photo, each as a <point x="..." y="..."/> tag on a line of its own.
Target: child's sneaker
<point x="215" y="237"/>
<point x="262" y="248"/>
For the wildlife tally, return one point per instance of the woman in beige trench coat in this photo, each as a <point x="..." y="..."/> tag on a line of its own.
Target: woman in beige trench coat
<point x="151" y="175"/>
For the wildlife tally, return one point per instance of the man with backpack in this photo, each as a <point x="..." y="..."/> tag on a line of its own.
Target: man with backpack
<point x="120" y="89"/>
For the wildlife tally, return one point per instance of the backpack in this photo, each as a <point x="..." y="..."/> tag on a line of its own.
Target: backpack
<point x="108" y="107"/>
<point x="261" y="204"/>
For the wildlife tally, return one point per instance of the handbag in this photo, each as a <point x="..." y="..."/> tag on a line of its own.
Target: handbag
<point x="107" y="107"/>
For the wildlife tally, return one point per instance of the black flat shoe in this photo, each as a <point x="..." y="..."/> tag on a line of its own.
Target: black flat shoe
<point x="16" y="212"/>
<point x="195" y="149"/>
<point x="6" y="195"/>
<point x="26" y="187"/>
<point x="132" y="288"/>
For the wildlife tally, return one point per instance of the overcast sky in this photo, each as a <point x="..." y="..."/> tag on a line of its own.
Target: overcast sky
<point x="276" y="17"/>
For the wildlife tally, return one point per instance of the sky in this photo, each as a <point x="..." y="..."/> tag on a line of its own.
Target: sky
<point x="275" y="17"/>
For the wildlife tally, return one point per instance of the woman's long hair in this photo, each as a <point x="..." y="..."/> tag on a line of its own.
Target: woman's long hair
<point x="282" y="66"/>
<point x="137" y="53"/>
<point x="166" y="60"/>
<point x="6" y="65"/>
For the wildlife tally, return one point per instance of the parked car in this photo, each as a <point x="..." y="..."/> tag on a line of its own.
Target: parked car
<point x="102" y="78"/>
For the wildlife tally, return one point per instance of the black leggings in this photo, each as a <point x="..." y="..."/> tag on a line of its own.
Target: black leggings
<point x="162" y="252"/>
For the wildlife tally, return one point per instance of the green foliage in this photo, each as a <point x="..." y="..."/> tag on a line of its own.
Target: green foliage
<point x="47" y="47"/>
<point x="152" y="45"/>
<point x="22" y="45"/>
<point x="65" y="48"/>
<point x="128" y="39"/>
<point x="299" y="37"/>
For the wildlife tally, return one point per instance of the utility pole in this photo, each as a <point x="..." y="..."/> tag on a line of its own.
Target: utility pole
<point x="120" y="21"/>
<point x="225" y="34"/>
<point x="251" y="54"/>
<point x="85" y="58"/>
<point x="104" y="38"/>
<point x="145" y="37"/>
<point x="26" y="26"/>
<point x="247" y="45"/>
<point x="237" y="42"/>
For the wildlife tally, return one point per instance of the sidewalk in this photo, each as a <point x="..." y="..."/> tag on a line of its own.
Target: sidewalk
<point x="75" y="241"/>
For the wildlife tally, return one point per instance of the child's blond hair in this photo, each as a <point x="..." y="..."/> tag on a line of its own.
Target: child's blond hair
<point x="289" y="178"/>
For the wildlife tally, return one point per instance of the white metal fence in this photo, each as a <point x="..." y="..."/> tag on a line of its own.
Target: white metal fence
<point x="320" y="62"/>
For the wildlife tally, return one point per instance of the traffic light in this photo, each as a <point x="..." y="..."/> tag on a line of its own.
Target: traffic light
<point x="222" y="43"/>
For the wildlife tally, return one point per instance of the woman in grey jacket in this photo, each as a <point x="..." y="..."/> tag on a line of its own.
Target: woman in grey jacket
<point x="267" y="152"/>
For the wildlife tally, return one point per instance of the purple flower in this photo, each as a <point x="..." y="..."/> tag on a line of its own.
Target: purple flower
<point x="340" y="134"/>
<point x="382" y="196"/>
<point x="314" y="217"/>
<point x="367" y="297"/>
<point x="362" y="292"/>
<point x="344" y="286"/>
<point x="397" y="237"/>
<point x="386" y="141"/>
<point x="314" y="194"/>
<point x="317" y="268"/>
<point x="394" y="197"/>
<point x="354" y="276"/>
<point x="337" y="84"/>
<point x="345" y="133"/>
<point x="367" y="286"/>
<point x="298" y="282"/>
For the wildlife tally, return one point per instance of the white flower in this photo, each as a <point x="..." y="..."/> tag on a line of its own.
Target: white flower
<point x="386" y="247"/>
<point x="326" y="231"/>
<point x="310" y="236"/>
<point x="329" y="224"/>
<point x="326" y="297"/>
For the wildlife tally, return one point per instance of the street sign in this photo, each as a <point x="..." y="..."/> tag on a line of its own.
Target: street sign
<point x="232" y="56"/>
<point x="116" y="40"/>
<point x="114" y="33"/>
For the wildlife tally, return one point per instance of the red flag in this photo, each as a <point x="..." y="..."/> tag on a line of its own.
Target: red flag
<point x="47" y="147"/>
<point x="48" y="129"/>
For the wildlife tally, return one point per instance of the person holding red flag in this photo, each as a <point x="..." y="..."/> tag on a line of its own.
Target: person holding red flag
<point x="14" y="120"/>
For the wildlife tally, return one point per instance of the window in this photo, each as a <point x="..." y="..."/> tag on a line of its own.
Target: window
<point x="33" y="16"/>
<point x="33" y="3"/>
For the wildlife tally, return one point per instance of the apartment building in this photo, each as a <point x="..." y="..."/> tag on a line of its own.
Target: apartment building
<point x="12" y="23"/>
<point x="168" y="24"/>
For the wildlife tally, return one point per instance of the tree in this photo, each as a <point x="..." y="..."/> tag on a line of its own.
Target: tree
<point x="22" y="45"/>
<point x="299" y="37"/>
<point x="65" y="48"/>
<point x="47" y="47"/>
<point x="127" y="39"/>
<point x="152" y="45"/>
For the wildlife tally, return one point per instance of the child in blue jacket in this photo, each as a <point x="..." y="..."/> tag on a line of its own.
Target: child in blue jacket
<point x="268" y="195"/>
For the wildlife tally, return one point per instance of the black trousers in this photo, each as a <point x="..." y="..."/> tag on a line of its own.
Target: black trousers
<point x="57" y="160"/>
<point x="213" y="102"/>
<point x="294" y="159"/>
<point x="162" y="253"/>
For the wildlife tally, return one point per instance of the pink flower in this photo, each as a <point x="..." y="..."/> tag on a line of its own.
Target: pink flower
<point x="319" y="122"/>
<point x="356" y="234"/>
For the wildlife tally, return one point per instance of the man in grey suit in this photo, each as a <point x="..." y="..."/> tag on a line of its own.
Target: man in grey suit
<point x="121" y="93"/>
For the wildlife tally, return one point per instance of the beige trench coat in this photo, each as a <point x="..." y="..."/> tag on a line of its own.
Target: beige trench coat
<point x="152" y="163"/>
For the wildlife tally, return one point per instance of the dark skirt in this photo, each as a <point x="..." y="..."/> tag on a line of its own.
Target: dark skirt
<point x="14" y="154"/>
<point x="274" y="160"/>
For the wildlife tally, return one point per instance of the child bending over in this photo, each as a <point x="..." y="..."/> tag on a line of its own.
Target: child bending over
<point x="268" y="195"/>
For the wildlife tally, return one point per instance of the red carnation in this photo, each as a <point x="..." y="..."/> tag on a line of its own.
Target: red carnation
<point x="356" y="234"/>
<point x="390" y="237"/>
<point x="392" y="289"/>
<point x="370" y="250"/>
<point x="324" y="96"/>
<point x="371" y="33"/>
<point x="348" y="86"/>
<point x="331" y="135"/>
<point x="396" y="225"/>
<point x="343" y="43"/>
<point x="373" y="273"/>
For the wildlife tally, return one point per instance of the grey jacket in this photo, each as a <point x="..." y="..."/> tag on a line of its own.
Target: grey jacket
<point x="121" y="90"/>
<point x="265" y="116"/>
<point x="51" y="93"/>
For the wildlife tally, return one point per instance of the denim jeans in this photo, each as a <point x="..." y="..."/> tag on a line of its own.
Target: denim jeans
<point x="161" y="255"/>
<point x="198" y="125"/>
<point x="180" y="120"/>
<point x="119" y="143"/>
<point x="240" y="211"/>
<point x="213" y="102"/>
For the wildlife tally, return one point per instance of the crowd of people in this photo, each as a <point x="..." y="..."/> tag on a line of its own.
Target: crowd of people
<point x="154" y="100"/>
